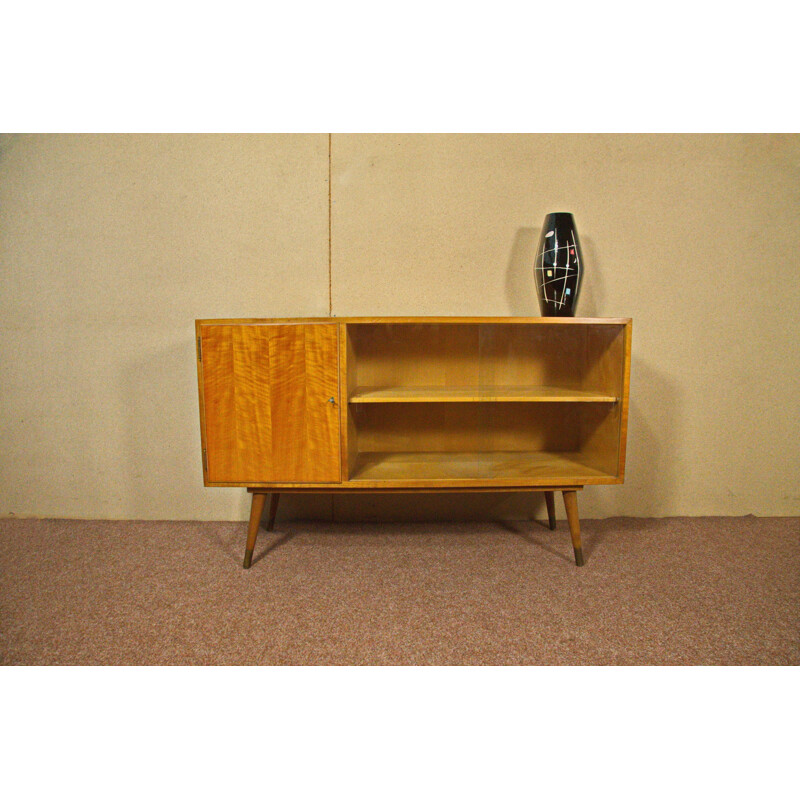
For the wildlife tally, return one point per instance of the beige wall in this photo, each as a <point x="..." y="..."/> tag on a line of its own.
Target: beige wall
<point x="112" y="245"/>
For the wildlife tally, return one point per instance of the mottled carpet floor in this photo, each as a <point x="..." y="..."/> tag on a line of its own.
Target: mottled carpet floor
<point x="689" y="590"/>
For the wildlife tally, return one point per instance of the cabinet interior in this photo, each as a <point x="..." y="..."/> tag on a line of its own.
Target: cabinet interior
<point x="505" y="400"/>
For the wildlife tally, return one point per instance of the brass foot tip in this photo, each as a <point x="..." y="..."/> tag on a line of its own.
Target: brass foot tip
<point x="248" y="558"/>
<point x="578" y="556"/>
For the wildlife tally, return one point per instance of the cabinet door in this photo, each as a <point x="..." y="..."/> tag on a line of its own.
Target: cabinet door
<point x="270" y="394"/>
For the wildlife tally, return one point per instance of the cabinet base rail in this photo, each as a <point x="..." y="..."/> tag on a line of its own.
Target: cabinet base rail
<point x="569" y="494"/>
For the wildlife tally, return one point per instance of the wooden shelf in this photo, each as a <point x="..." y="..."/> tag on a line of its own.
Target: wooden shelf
<point x="477" y="394"/>
<point x="549" y="467"/>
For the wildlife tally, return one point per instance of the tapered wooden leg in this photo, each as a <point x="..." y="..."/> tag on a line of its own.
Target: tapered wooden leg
<point x="550" y="499"/>
<point x="273" y="509"/>
<point x="571" y="505"/>
<point x="256" y="510"/>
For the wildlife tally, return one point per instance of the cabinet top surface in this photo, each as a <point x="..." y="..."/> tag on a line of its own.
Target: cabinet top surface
<point x="437" y="320"/>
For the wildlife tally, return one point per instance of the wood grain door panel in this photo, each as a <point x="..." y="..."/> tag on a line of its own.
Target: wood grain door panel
<point x="267" y="410"/>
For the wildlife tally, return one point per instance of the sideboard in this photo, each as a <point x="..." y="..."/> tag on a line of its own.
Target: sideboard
<point x="413" y="404"/>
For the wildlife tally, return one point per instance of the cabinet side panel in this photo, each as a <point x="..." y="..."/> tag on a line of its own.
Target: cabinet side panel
<point x="604" y="372"/>
<point x="198" y="329"/>
<point x="626" y="387"/>
<point x="603" y="358"/>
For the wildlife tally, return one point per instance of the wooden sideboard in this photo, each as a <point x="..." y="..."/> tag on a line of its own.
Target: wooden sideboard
<point x="399" y="404"/>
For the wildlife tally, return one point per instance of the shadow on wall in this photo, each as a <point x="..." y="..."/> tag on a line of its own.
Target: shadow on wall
<point x="450" y="507"/>
<point x="521" y="287"/>
<point x="163" y="476"/>
<point x="654" y="431"/>
<point x="592" y="296"/>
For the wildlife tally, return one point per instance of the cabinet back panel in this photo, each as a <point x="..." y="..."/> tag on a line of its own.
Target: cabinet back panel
<point x="456" y="427"/>
<point x="484" y="354"/>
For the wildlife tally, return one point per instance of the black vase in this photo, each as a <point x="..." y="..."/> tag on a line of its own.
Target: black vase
<point x="558" y="269"/>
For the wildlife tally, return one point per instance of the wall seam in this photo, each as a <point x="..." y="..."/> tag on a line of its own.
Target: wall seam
<point x="330" y="279"/>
